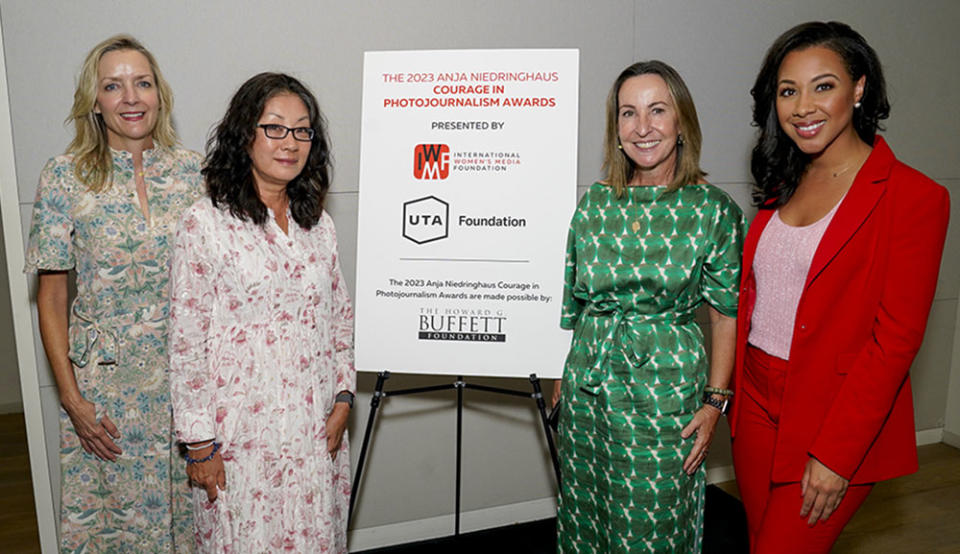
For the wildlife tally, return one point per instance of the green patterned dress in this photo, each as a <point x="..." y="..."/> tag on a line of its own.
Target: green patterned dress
<point x="118" y="348"/>
<point x="637" y="269"/>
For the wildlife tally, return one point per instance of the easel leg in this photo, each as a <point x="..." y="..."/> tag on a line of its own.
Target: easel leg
<point x="374" y="406"/>
<point x="459" y="386"/>
<point x="542" y="406"/>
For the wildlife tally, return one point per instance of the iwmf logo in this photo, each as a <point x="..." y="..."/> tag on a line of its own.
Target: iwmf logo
<point x="431" y="161"/>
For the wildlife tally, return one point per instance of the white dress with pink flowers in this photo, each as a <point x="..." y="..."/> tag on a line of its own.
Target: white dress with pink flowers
<point x="261" y="341"/>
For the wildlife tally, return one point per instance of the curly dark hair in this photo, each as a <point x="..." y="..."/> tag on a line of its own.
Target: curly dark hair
<point x="777" y="164"/>
<point x="227" y="166"/>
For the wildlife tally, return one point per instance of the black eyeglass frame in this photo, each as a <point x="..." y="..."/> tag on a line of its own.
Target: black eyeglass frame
<point x="287" y="131"/>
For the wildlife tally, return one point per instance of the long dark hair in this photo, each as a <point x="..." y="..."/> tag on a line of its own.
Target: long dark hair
<point x="777" y="164"/>
<point x="227" y="167"/>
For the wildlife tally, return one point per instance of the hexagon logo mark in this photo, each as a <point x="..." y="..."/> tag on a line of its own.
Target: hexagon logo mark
<point x="426" y="219"/>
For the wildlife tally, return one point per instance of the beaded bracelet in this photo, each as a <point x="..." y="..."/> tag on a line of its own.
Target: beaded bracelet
<point x="207" y="458"/>
<point x="721" y="392"/>
<point x="200" y="446"/>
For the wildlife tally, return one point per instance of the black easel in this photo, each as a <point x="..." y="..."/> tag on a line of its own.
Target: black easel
<point x="459" y="385"/>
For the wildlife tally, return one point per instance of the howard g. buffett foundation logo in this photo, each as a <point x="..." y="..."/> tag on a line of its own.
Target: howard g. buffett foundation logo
<point x="435" y="161"/>
<point x="462" y="325"/>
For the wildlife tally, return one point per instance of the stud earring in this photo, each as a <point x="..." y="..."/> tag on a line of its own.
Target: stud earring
<point x="619" y="146"/>
<point x="856" y="104"/>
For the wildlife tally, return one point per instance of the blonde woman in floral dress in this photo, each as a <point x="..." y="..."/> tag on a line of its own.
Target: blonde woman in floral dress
<point x="107" y="209"/>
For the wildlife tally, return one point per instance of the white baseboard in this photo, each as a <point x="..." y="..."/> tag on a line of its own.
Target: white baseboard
<point x="476" y="520"/>
<point x="720" y="474"/>
<point x="442" y="526"/>
<point x="533" y="510"/>
<point x="929" y="436"/>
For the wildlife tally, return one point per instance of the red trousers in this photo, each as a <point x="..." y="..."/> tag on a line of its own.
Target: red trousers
<point x="773" y="509"/>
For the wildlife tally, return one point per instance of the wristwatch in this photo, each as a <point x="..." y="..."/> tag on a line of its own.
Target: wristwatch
<point x="345" y="397"/>
<point x="722" y="405"/>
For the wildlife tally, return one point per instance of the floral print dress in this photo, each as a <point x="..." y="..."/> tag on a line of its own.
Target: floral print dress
<point x="261" y="342"/>
<point x="118" y="347"/>
<point x="638" y="267"/>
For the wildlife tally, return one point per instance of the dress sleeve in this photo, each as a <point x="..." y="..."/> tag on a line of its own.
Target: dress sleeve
<point x="190" y="167"/>
<point x="341" y="323"/>
<point x="51" y="231"/>
<point x="572" y="306"/>
<point x="192" y="292"/>
<point x="720" y="282"/>
<point x="875" y="377"/>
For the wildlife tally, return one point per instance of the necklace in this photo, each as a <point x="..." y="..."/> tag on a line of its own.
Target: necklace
<point x="842" y="171"/>
<point x="637" y="224"/>
<point x="858" y="163"/>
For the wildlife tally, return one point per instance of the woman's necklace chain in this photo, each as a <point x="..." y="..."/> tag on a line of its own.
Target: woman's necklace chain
<point x="636" y="213"/>
<point x="842" y="171"/>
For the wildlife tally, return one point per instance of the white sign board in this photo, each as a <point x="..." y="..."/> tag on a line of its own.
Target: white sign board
<point x="468" y="164"/>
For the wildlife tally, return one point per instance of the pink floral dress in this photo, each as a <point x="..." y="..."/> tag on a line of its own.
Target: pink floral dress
<point x="261" y="341"/>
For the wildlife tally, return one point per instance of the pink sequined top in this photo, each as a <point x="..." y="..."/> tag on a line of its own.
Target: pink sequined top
<point x="783" y="258"/>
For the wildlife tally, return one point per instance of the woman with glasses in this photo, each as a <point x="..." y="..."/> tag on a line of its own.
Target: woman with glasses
<point x="261" y="341"/>
<point x="107" y="209"/>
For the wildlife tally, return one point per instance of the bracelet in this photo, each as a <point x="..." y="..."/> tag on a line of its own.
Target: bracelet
<point x="345" y="397"/>
<point x="199" y="447"/>
<point x="207" y="458"/>
<point x="721" y="405"/>
<point x="715" y="390"/>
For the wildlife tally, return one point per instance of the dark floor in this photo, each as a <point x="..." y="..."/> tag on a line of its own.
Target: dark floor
<point x="18" y="519"/>
<point x="724" y="531"/>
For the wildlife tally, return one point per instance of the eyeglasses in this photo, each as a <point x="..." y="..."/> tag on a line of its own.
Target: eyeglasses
<point x="274" y="131"/>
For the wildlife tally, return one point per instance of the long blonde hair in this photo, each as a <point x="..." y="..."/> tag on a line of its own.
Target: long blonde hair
<point x="91" y="152"/>
<point x="618" y="168"/>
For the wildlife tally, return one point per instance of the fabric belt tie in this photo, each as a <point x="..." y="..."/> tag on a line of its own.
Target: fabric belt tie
<point x="94" y="334"/>
<point x="101" y="334"/>
<point x="621" y="320"/>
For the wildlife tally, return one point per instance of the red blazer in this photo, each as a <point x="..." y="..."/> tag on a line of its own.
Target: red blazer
<point x="859" y="324"/>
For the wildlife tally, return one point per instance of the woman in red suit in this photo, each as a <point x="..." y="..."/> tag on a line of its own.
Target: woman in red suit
<point x="840" y="267"/>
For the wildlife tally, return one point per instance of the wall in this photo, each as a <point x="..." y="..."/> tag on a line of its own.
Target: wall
<point x="10" y="402"/>
<point x="951" y="427"/>
<point x="207" y="49"/>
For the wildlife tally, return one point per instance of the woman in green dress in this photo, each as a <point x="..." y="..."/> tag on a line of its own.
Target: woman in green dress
<point x="647" y="246"/>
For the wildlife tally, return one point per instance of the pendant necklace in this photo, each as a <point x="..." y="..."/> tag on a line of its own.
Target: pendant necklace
<point x="632" y="210"/>
<point x="842" y="171"/>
